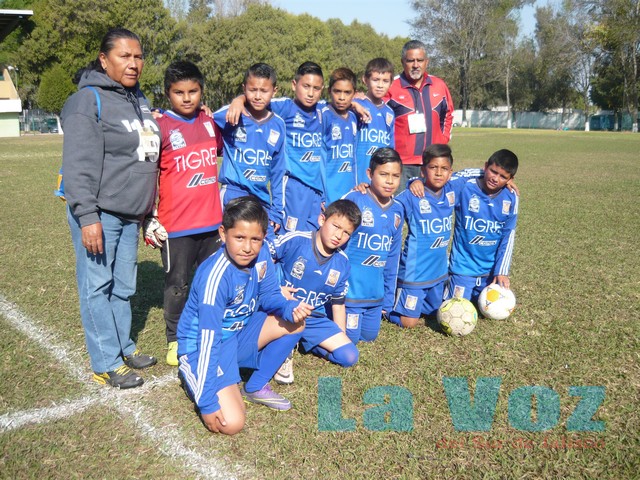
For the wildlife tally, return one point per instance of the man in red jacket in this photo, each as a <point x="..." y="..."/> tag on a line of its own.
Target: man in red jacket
<point x="423" y="108"/>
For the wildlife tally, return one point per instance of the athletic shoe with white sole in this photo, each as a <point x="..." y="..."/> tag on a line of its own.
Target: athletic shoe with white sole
<point x="266" y="396"/>
<point x="122" y="377"/>
<point x="172" y="354"/>
<point x="284" y="375"/>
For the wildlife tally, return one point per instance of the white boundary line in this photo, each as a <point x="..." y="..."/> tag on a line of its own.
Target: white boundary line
<point x="166" y="439"/>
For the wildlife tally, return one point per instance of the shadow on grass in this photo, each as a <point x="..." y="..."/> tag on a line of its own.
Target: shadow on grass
<point x="149" y="294"/>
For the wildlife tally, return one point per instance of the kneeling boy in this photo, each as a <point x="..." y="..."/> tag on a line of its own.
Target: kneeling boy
<point x="315" y="269"/>
<point x="221" y="328"/>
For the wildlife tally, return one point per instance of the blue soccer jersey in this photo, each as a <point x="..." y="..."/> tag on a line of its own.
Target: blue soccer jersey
<point x="374" y="251"/>
<point x="254" y="158"/>
<point x="223" y="297"/>
<point x="484" y="233"/>
<point x="373" y="135"/>
<point x="339" y="139"/>
<point x="424" y="259"/>
<point x="319" y="279"/>
<point x="304" y="150"/>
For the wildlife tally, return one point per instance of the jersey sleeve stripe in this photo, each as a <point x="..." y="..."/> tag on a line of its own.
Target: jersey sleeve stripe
<point x="206" y="343"/>
<point x="214" y="280"/>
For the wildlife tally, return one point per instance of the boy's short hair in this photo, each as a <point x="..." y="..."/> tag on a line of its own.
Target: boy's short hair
<point x="182" y="70"/>
<point x="413" y="45"/>
<point x="505" y="159"/>
<point x="378" y="65"/>
<point x="344" y="208"/>
<point x="382" y="156"/>
<point x="436" y="150"/>
<point x="261" y="70"/>
<point x="342" y="73"/>
<point x="248" y="209"/>
<point x="308" y="68"/>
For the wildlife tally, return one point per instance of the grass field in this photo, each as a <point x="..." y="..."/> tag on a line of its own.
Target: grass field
<point x="576" y="275"/>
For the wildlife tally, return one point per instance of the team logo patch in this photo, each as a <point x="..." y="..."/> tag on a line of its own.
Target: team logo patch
<point x="352" y="320"/>
<point x="240" y="135"/>
<point x="298" y="121"/>
<point x="177" y="140"/>
<point x="388" y="119"/>
<point x="367" y="218"/>
<point x="220" y="372"/>
<point x="397" y="220"/>
<point x="209" y="128"/>
<point x="506" y="206"/>
<point x="474" y="204"/>
<point x="411" y="302"/>
<point x="298" y="268"/>
<point x="332" y="278"/>
<point x="274" y="135"/>
<point x="336" y="133"/>
<point x="451" y="197"/>
<point x="425" y="207"/>
<point x="458" y="291"/>
<point x="292" y="223"/>
<point x="261" y="268"/>
<point x="239" y="294"/>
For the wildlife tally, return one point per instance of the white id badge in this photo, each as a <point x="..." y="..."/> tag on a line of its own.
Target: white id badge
<point x="150" y="145"/>
<point x="417" y="123"/>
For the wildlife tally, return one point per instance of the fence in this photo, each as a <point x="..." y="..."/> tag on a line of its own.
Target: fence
<point x="551" y="121"/>
<point x="37" y="120"/>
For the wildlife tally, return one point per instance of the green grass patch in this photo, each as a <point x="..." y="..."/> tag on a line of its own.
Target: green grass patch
<point x="576" y="276"/>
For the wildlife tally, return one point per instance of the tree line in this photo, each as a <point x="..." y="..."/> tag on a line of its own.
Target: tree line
<point x="583" y="55"/>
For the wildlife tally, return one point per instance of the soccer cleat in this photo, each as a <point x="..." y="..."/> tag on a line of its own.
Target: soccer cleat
<point x="284" y="375"/>
<point x="172" y="354"/>
<point x="266" y="396"/>
<point x="122" y="377"/>
<point x="139" y="360"/>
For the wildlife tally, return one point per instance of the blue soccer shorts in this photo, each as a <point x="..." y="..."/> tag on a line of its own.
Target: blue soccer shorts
<point x="363" y="323"/>
<point x="317" y="329"/>
<point x="466" y="287"/>
<point x="416" y="301"/>
<point x="302" y="206"/>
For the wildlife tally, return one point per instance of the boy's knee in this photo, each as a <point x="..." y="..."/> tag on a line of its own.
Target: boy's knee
<point x="345" y="356"/>
<point x="368" y="335"/>
<point x="409" y="322"/>
<point x="233" y="426"/>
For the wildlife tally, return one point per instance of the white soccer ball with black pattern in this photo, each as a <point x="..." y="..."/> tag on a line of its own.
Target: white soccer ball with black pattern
<point x="496" y="302"/>
<point x="457" y="317"/>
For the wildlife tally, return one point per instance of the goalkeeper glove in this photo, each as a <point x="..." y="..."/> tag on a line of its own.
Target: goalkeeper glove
<point x="154" y="233"/>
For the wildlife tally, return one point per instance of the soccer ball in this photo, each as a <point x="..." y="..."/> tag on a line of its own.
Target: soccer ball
<point x="457" y="317"/>
<point x="496" y="302"/>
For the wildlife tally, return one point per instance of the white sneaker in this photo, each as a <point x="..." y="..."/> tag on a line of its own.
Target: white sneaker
<point x="284" y="375"/>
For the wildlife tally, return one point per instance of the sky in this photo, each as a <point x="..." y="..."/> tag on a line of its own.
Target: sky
<point x="385" y="16"/>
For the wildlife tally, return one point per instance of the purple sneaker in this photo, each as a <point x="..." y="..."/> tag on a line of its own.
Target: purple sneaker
<point x="266" y="396"/>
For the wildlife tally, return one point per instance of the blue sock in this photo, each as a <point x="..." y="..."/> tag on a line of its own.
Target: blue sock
<point x="345" y="356"/>
<point x="395" y="319"/>
<point x="270" y="358"/>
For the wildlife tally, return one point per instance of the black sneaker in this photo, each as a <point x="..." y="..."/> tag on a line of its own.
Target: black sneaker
<point x="122" y="377"/>
<point x="139" y="360"/>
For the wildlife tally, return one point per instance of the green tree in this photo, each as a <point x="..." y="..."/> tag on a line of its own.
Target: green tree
<point x="55" y="87"/>
<point x="460" y="33"/>
<point x="68" y="32"/>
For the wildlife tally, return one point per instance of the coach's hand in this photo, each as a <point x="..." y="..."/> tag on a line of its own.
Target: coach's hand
<point x="92" y="238"/>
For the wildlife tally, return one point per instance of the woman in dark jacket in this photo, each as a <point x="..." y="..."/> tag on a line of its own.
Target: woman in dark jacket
<point x="110" y="153"/>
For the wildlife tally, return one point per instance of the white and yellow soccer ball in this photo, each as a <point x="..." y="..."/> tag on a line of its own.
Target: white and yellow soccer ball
<point x="457" y="317"/>
<point x="496" y="302"/>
